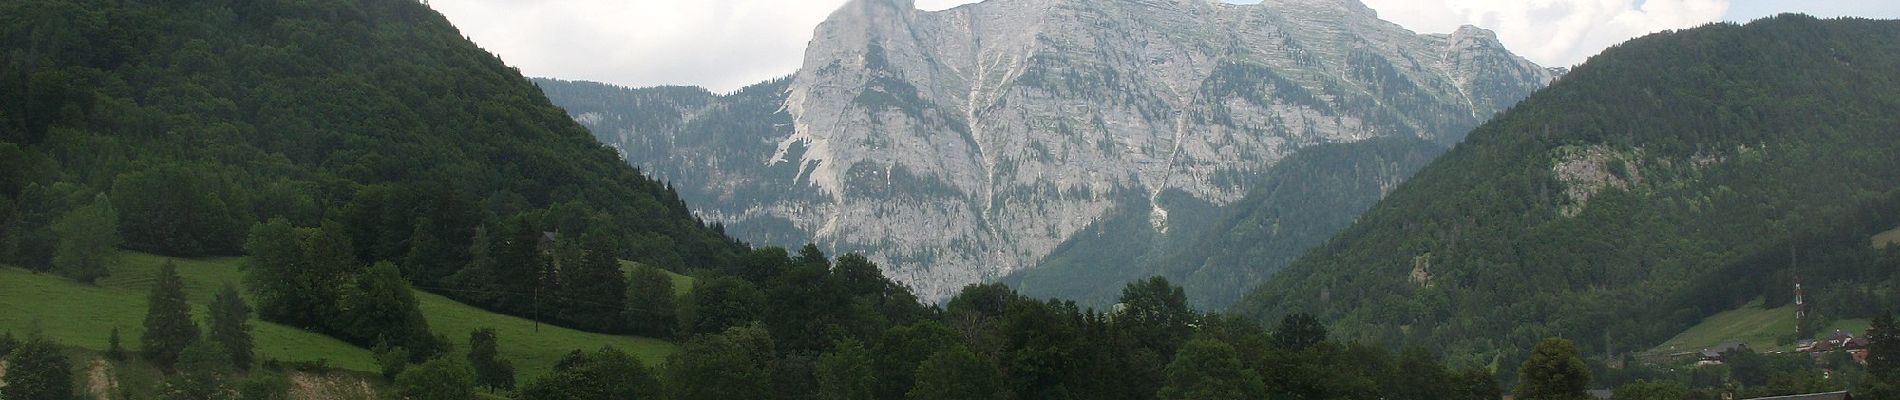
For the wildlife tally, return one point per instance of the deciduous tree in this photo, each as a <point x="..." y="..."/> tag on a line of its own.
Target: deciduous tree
<point x="37" y="370"/>
<point x="957" y="374"/>
<point x="1210" y="370"/>
<point x="88" y="240"/>
<point x="845" y="373"/>
<point x="605" y="374"/>
<point x="491" y="370"/>
<point x="443" y="378"/>
<point x="1553" y="372"/>
<point x="651" y="307"/>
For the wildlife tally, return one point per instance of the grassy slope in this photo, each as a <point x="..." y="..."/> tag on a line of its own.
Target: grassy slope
<point x="681" y="283"/>
<point x="1752" y="324"/>
<point x="82" y="315"/>
<point x="1887" y="238"/>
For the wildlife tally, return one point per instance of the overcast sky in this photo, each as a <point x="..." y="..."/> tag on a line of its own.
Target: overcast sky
<point x="727" y="44"/>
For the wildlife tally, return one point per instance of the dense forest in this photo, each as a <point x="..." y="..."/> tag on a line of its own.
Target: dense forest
<point x="1218" y="253"/>
<point x="1667" y="179"/>
<point x="362" y="131"/>
<point x="353" y="151"/>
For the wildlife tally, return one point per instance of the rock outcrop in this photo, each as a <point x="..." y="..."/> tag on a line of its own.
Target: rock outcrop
<point x="957" y="146"/>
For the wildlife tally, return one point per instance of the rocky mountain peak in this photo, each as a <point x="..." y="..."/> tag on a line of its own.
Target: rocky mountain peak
<point x="956" y="146"/>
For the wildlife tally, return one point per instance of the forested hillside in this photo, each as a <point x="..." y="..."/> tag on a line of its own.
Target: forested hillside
<point x="370" y="128"/>
<point x="1218" y="253"/>
<point x="1669" y="178"/>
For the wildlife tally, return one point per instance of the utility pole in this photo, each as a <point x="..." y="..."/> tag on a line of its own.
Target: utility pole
<point x="1800" y="297"/>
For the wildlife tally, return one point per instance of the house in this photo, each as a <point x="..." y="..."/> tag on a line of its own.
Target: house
<point x="1714" y="354"/>
<point x="1605" y="394"/>
<point x="1841" y="395"/>
<point x="1855" y="344"/>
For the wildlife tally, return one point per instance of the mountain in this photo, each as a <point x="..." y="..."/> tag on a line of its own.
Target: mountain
<point x="1667" y="179"/>
<point x="375" y="120"/>
<point x="961" y="145"/>
<point x="1296" y="204"/>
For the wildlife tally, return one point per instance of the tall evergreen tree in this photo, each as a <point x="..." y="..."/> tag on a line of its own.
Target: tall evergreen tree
<point x="114" y="350"/>
<point x="168" y="324"/>
<point x="88" y="238"/>
<point x="1883" y="360"/>
<point x="520" y="269"/>
<point x="37" y="370"/>
<point x="491" y="370"/>
<point x="593" y="289"/>
<point x="231" y="326"/>
<point x="652" y="309"/>
<point x="1553" y="372"/>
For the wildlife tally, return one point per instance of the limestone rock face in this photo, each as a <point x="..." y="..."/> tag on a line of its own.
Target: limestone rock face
<point x="956" y="146"/>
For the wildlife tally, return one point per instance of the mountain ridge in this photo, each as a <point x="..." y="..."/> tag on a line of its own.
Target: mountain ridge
<point x="956" y="146"/>
<point x="1670" y="178"/>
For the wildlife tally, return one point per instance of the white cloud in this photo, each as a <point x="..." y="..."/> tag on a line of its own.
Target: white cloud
<point x="726" y="44"/>
<point x="1553" y="32"/>
<point x="720" y="44"/>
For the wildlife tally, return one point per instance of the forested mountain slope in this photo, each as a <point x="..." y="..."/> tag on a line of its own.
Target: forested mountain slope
<point x="372" y="121"/>
<point x="1668" y="178"/>
<point x="1220" y="252"/>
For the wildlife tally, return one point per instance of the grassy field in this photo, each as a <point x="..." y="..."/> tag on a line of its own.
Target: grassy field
<point x="681" y="283"/>
<point x="82" y="315"/>
<point x="1760" y="327"/>
<point x="1887" y="238"/>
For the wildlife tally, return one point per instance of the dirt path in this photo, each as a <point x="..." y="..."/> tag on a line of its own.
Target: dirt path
<point x="100" y="382"/>
<point x="341" y="387"/>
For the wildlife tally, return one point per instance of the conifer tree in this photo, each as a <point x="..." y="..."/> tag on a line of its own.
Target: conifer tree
<point x="593" y="288"/>
<point x="114" y="350"/>
<point x="1883" y="360"/>
<point x="231" y="326"/>
<point x="168" y="324"/>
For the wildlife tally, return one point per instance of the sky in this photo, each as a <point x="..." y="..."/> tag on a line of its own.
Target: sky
<point x="726" y="44"/>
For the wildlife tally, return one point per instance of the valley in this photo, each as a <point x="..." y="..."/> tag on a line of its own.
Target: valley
<point x="1008" y="199"/>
